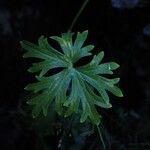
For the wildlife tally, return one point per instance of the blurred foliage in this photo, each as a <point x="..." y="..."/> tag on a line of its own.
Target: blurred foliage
<point x="121" y="4"/>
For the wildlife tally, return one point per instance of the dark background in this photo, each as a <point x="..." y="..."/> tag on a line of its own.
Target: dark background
<point x="120" y="29"/>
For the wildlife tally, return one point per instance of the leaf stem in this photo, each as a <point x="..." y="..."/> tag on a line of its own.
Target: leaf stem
<point x="101" y="138"/>
<point x="77" y="15"/>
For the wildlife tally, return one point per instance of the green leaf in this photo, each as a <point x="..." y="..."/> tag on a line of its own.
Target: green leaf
<point x="81" y="37"/>
<point x="65" y="43"/>
<point x="52" y="58"/>
<point x="97" y="58"/>
<point x="73" y="90"/>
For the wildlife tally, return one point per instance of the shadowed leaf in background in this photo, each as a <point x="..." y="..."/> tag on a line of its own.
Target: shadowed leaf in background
<point x="121" y="4"/>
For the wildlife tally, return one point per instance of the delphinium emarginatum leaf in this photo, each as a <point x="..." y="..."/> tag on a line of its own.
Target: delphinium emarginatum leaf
<point x="74" y="89"/>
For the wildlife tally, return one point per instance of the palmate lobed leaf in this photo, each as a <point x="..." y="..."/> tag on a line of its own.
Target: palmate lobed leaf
<point x="72" y="89"/>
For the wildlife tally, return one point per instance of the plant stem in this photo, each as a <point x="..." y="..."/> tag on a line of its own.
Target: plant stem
<point x="77" y="15"/>
<point x="101" y="138"/>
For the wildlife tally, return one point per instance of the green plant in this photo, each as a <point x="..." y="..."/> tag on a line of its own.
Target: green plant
<point x="74" y="89"/>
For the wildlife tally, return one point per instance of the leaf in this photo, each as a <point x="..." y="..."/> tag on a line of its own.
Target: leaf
<point x="121" y="4"/>
<point x="73" y="90"/>
<point x="146" y="30"/>
<point x="52" y="58"/>
<point x="81" y="37"/>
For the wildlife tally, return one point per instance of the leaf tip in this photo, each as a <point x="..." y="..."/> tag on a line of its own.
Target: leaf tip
<point x="116" y="65"/>
<point x="28" y="102"/>
<point x="102" y="53"/>
<point x="86" y="31"/>
<point x="33" y="116"/>
<point x="81" y="121"/>
<point x="92" y="46"/>
<point x="121" y="94"/>
<point x="65" y="116"/>
<point x="45" y="113"/>
<point x="21" y="42"/>
<point x="26" y="88"/>
<point x="29" y="70"/>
